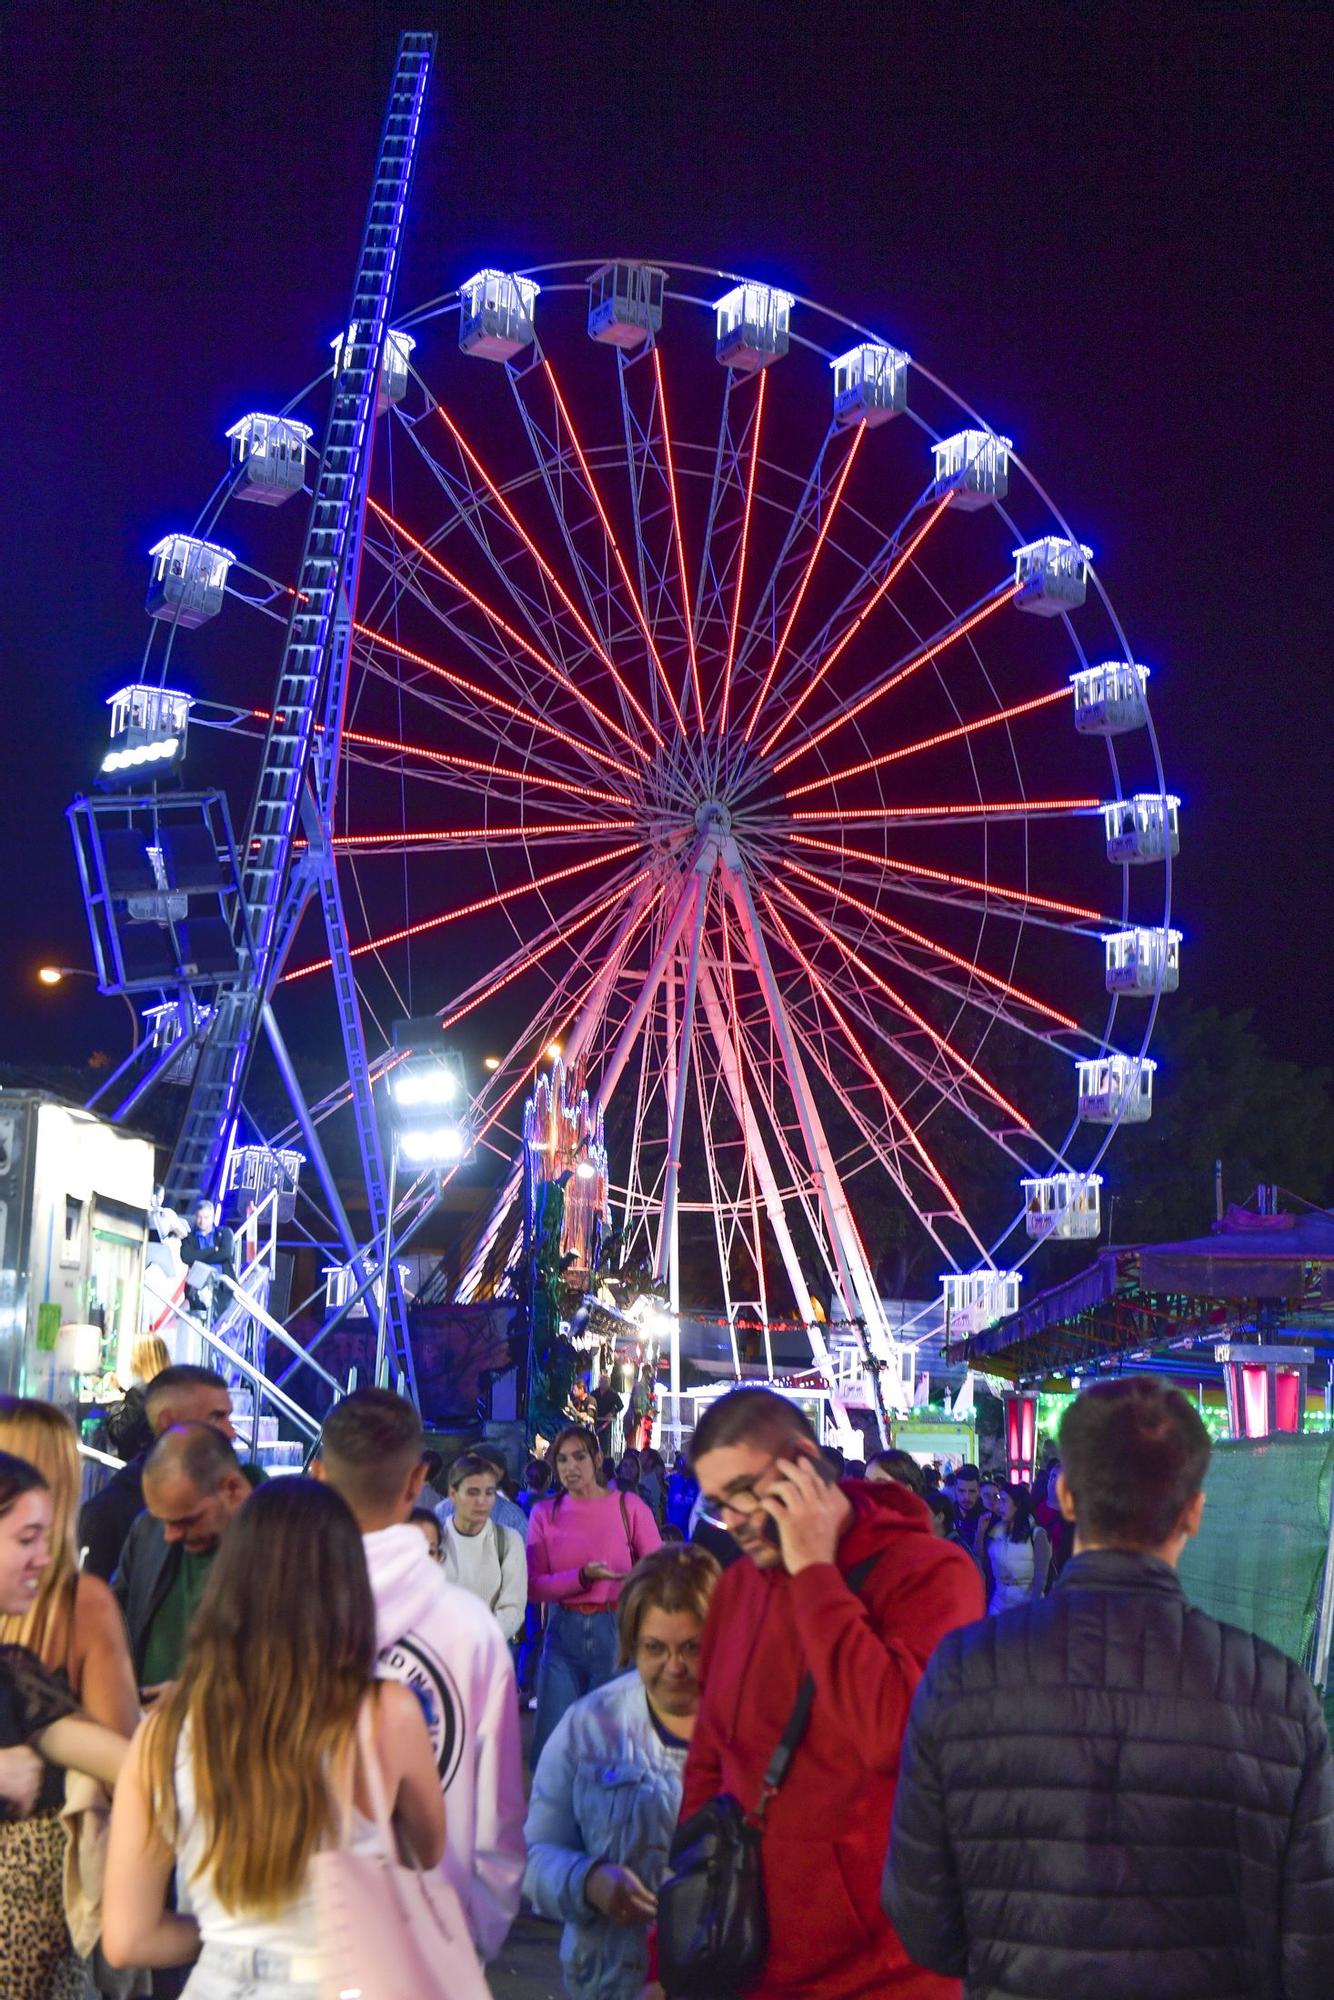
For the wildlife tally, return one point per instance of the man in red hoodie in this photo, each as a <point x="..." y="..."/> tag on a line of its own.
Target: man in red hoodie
<point x="787" y="1611"/>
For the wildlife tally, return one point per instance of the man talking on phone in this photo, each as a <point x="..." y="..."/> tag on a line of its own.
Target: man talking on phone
<point x="844" y="1582"/>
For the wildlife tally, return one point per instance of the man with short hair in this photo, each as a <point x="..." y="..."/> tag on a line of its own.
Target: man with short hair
<point x="845" y="1582"/>
<point x="193" y="1485"/>
<point x="506" y="1513"/>
<point x="446" y="1645"/>
<point x="208" y="1250"/>
<point x="1105" y="1791"/>
<point x="968" y="1501"/>
<point x="182" y="1394"/>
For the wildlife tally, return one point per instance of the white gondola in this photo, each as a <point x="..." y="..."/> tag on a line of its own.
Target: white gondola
<point x="1143" y="828"/>
<point x="1066" y="1206"/>
<point x="496" y="315"/>
<point x="1143" y="960"/>
<point x="1115" y="1086"/>
<point x="870" y="385"/>
<point x="975" y="1300"/>
<point x="1109" y="699"/>
<point x="255" y="1171"/>
<point x="270" y="455"/>
<point x="395" y="360"/>
<point x="188" y="580"/>
<point x="178" y="1024"/>
<point x="625" y="303"/>
<point x="974" y="466"/>
<point x="148" y="726"/>
<point x="1052" y="574"/>
<point x="753" y="326"/>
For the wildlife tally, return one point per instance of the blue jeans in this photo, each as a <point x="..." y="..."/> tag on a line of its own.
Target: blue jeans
<point x="578" y="1655"/>
<point x="225" y="1972"/>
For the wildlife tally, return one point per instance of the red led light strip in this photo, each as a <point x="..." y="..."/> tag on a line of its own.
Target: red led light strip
<point x="1011" y="714"/>
<point x="741" y="557"/>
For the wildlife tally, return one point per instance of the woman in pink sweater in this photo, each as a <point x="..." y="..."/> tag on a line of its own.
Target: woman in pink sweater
<point x="581" y="1547"/>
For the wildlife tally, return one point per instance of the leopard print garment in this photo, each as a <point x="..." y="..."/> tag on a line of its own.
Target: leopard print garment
<point x="37" y="1960"/>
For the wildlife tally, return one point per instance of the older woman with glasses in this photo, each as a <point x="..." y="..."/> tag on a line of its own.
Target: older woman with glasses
<point x="607" y="1790"/>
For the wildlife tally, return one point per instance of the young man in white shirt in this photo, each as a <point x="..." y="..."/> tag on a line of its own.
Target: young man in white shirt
<point x="478" y="1553"/>
<point x="446" y="1646"/>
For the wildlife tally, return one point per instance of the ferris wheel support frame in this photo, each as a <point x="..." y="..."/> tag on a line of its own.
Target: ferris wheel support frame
<point x="311" y="691"/>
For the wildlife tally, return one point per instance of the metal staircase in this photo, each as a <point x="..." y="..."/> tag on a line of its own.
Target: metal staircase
<point x="312" y="681"/>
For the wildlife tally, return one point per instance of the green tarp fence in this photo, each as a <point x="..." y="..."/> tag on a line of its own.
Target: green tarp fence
<point x="1259" y="1558"/>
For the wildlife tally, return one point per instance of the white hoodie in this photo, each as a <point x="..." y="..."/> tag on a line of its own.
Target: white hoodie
<point x="445" y="1644"/>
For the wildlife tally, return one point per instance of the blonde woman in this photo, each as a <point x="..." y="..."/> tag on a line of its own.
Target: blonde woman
<point x="72" y="1626"/>
<point x="238" y="1778"/>
<point x="127" y="1425"/>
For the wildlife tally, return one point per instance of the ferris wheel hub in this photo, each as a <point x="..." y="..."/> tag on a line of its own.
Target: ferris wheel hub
<point x="712" y="816"/>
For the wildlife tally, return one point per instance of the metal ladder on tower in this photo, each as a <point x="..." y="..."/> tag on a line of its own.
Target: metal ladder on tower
<point x="311" y="682"/>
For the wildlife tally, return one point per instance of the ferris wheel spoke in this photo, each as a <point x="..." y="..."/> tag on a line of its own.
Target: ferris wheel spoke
<point x="500" y="896"/>
<point x="436" y="839"/>
<point x="533" y="697"/>
<point x="592" y="637"/>
<point x="808" y="571"/>
<point x="891" y="678"/>
<point x="587" y="485"/>
<point x="883" y="868"/>
<point x="536" y="653"/>
<point x="486" y="697"/>
<point x="952" y="813"/>
<point x="722" y="546"/>
<point x="742" y="549"/>
<point x="896" y="999"/>
<point x="487" y="774"/>
<point x="936" y="742"/>
<point x="557" y="933"/>
<point x="814" y="664"/>
<point x="678" y="533"/>
<point x="898" y="1116"/>
<point x="934" y="947"/>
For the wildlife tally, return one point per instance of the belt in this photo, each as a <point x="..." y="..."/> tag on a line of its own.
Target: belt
<point x="585" y="1610"/>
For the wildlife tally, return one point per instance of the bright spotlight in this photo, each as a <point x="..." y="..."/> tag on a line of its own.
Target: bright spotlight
<point x="490" y="1062"/>
<point x="433" y="1145"/>
<point x="553" y="1051"/>
<point x="417" y="1086"/>
<point x="50" y="975"/>
<point x="585" y="1171"/>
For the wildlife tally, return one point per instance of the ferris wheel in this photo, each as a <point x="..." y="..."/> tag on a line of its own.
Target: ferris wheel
<point x="728" y="705"/>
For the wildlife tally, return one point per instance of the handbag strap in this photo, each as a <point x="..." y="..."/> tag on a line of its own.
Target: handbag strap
<point x="786" y="1747"/>
<point x="370" y="1764"/>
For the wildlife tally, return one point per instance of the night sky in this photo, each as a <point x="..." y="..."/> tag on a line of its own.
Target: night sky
<point x="1099" y="224"/>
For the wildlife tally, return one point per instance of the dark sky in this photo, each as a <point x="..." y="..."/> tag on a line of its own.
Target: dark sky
<point x="1099" y="223"/>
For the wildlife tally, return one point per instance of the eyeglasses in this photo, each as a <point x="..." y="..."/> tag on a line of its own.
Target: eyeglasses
<point x="740" y="1502"/>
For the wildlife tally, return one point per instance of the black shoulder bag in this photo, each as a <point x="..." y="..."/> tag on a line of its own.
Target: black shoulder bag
<point x="713" y="1928"/>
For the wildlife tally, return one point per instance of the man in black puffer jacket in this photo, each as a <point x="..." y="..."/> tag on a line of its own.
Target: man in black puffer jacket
<point x="1107" y="1795"/>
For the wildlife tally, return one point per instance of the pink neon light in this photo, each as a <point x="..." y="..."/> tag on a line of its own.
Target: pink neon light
<point x="858" y="434"/>
<point x="921" y="659"/>
<point x="470" y="909"/>
<point x="895" y="570"/>
<point x="679" y="538"/>
<point x="1287" y="1400"/>
<point x="512" y="633"/>
<point x="615" y="548"/>
<point x="741" y="558"/>
<point x="1255" y="1398"/>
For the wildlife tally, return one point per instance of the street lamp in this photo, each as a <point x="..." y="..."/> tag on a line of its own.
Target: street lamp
<point x="55" y="975"/>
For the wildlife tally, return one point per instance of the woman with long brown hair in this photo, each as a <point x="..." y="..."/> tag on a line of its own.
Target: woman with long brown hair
<point x="245" y="1771"/>
<point x="72" y="1626"/>
<point x="582" y="1544"/>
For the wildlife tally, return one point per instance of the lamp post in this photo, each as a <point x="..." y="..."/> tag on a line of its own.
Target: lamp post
<point x="425" y="1133"/>
<point x="56" y="975"/>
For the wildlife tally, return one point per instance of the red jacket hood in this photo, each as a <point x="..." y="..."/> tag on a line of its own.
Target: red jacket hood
<point x="881" y="1511"/>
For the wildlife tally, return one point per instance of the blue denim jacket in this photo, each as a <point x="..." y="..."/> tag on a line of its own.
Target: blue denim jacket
<point x="607" y="1788"/>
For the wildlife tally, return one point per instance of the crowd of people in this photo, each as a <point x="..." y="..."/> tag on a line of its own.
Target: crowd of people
<point x="978" y="1738"/>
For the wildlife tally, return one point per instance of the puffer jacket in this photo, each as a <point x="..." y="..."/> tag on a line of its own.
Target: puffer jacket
<point x="1108" y="1794"/>
<point x="606" y="1788"/>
